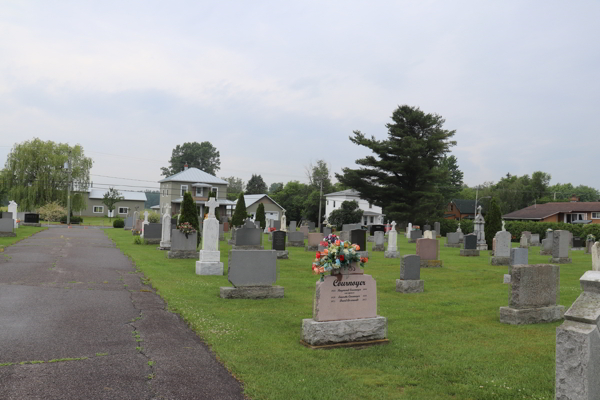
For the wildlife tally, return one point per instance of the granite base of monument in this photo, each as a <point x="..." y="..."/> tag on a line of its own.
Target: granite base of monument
<point x="469" y="252"/>
<point x="311" y="248"/>
<point x="523" y="316"/>
<point x="152" y="241"/>
<point x="363" y="254"/>
<point x="378" y="248"/>
<point x="183" y="254"/>
<point x="560" y="260"/>
<point x="347" y="332"/>
<point x="410" y="286"/>
<point x="7" y="234"/>
<point x="482" y="246"/>
<point x="210" y="263"/>
<point x="252" y="292"/>
<point x="164" y="246"/>
<point x="36" y="224"/>
<point x="412" y="240"/>
<point x="500" y="261"/>
<point x="295" y="244"/>
<point x="370" y="238"/>
<point x="454" y="245"/>
<point x="282" y="254"/>
<point x="392" y="254"/>
<point x="545" y="252"/>
<point x="431" y="263"/>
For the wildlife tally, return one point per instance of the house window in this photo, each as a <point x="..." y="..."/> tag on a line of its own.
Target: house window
<point x="184" y="189"/>
<point x="199" y="191"/>
<point x="215" y="190"/>
<point x="123" y="210"/>
<point x="334" y="204"/>
<point x="98" y="210"/>
<point x="327" y="202"/>
<point x="370" y="206"/>
<point x="596" y="215"/>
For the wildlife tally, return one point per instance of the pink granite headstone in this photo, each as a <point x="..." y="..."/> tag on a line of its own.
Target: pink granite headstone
<point x="314" y="238"/>
<point x="345" y="297"/>
<point x="304" y="229"/>
<point x="427" y="249"/>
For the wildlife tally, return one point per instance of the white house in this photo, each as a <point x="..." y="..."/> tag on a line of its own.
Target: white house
<point x="371" y="213"/>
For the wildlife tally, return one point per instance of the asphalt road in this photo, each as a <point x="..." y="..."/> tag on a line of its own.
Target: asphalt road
<point x="71" y="294"/>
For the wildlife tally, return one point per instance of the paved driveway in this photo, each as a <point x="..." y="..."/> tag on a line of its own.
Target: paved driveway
<point x="71" y="294"/>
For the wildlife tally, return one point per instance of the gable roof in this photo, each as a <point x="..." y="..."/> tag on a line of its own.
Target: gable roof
<point x="541" y="211"/>
<point x="194" y="175"/>
<point x="99" y="194"/>
<point x="467" y="206"/>
<point x="250" y="199"/>
<point x="347" y="192"/>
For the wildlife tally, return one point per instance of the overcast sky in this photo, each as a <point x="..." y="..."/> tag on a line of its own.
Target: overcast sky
<point x="277" y="85"/>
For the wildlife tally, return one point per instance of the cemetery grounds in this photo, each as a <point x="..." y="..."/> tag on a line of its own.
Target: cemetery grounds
<point x="445" y="343"/>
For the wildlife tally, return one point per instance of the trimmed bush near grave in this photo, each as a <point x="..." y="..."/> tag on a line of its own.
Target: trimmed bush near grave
<point x="517" y="227"/>
<point x="118" y="223"/>
<point x="449" y="225"/>
<point x="74" y="219"/>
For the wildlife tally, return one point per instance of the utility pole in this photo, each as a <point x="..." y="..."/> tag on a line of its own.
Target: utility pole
<point x="69" y="191"/>
<point x="320" y="196"/>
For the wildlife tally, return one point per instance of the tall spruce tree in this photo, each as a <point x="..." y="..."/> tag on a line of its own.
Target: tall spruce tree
<point x="403" y="173"/>
<point x="239" y="215"/>
<point x="493" y="222"/>
<point x="260" y="215"/>
<point x="189" y="212"/>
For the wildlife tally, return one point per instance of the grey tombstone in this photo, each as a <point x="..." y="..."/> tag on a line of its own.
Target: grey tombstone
<point x="560" y="247"/>
<point x="292" y="225"/>
<point x="128" y="223"/>
<point x="326" y="231"/>
<point x="378" y="241"/>
<point x="578" y="242"/>
<point x="174" y="222"/>
<point x="436" y="228"/>
<point x="6" y="215"/>
<point x="248" y="237"/>
<point x="311" y="226"/>
<point x="414" y="235"/>
<point x="452" y="240"/>
<point x="279" y="244"/>
<point x="546" y="249"/>
<point x="221" y="232"/>
<point x="427" y="227"/>
<point x="252" y="274"/>
<point x="577" y="344"/>
<point x="410" y="275"/>
<point x="344" y="236"/>
<point x="533" y="295"/>
<point x="535" y="239"/>
<point x="304" y="229"/>
<point x="30" y="219"/>
<point x="182" y="246"/>
<point x="276" y="224"/>
<point x="152" y="233"/>
<point x="519" y="256"/>
<point x="502" y="248"/>
<point x="7" y="227"/>
<point x="257" y="224"/>
<point x="376" y="228"/>
<point x="471" y="246"/>
<point x="295" y="239"/>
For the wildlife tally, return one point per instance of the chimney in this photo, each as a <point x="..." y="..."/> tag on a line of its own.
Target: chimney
<point x="574" y="199"/>
<point x="185" y="167"/>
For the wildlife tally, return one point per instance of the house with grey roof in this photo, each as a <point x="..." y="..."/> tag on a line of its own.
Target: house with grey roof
<point x="573" y="212"/>
<point x="200" y="184"/>
<point x="131" y="202"/>
<point x="372" y="214"/>
<point x="272" y="210"/>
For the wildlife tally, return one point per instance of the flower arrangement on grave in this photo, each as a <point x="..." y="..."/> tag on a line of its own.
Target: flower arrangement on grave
<point x="272" y="229"/>
<point x="336" y="256"/>
<point x="186" y="228"/>
<point x="136" y="232"/>
<point x="591" y="238"/>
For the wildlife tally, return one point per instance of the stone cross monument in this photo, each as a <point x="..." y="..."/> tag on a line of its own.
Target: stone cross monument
<point x="210" y="256"/>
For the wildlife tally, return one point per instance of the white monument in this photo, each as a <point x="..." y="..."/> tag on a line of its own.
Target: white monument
<point x="479" y="230"/>
<point x="146" y="222"/>
<point x="283" y="223"/>
<point x="392" y="250"/>
<point x="210" y="256"/>
<point x="12" y="208"/>
<point x="596" y="256"/>
<point x="165" y="239"/>
<point x="408" y="230"/>
<point x="503" y="228"/>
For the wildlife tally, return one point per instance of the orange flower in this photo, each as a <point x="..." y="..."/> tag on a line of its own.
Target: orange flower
<point x="337" y="242"/>
<point x="325" y="251"/>
<point x="321" y="270"/>
<point x="356" y="247"/>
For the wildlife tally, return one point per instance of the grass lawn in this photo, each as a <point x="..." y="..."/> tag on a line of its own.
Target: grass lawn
<point x="445" y="343"/>
<point x="22" y="232"/>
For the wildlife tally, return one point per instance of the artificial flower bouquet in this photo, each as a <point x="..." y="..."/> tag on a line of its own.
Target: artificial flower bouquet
<point x="187" y="229"/>
<point x="336" y="255"/>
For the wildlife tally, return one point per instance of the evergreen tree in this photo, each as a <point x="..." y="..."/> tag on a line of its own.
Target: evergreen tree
<point x="402" y="176"/>
<point x="256" y="185"/>
<point x="189" y="212"/>
<point x="260" y="216"/>
<point x="239" y="215"/>
<point x="493" y="222"/>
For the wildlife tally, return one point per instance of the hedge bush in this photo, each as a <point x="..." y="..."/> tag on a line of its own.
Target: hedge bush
<point x="516" y="228"/>
<point x="118" y="223"/>
<point x="74" y="219"/>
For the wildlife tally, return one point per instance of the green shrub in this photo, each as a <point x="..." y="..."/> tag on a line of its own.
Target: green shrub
<point x="118" y="223"/>
<point x="450" y="225"/>
<point x="516" y="228"/>
<point x="239" y="215"/>
<point x="260" y="215"/>
<point x="74" y="219"/>
<point x="154" y="217"/>
<point x="493" y="222"/>
<point x="137" y="240"/>
<point x="189" y="213"/>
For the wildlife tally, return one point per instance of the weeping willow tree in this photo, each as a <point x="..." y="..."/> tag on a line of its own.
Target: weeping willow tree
<point x="36" y="174"/>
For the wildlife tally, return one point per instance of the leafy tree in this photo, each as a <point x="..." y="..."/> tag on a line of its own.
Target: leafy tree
<point x="35" y="174"/>
<point x="348" y="213"/>
<point x="52" y="212"/>
<point x="112" y="197"/>
<point x="189" y="212"/>
<point x="493" y="222"/>
<point x="402" y="176"/>
<point x="239" y="214"/>
<point x="292" y="198"/>
<point x="275" y="187"/>
<point x="319" y="173"/>
<point x="311" y="207"/>
<point x="235" y="187"/>
<point x="256" y="185"/>
<point x="203" y="156"/>
<point x="260" y="215"/>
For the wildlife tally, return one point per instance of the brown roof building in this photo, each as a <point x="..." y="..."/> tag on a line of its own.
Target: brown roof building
<point x="571" y="212"/>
